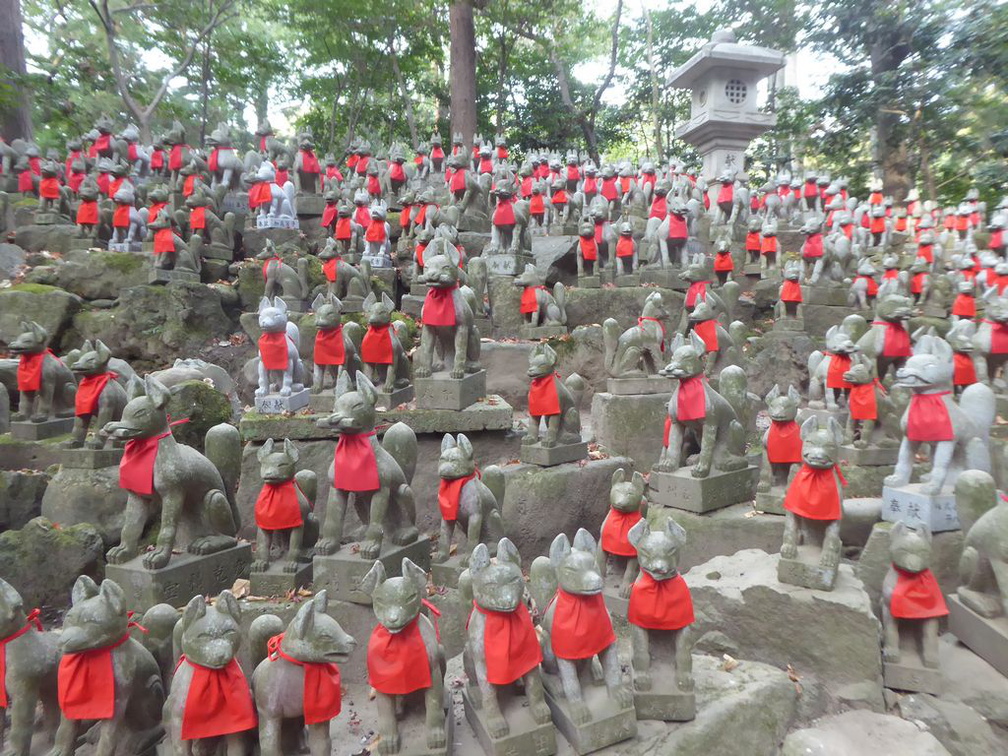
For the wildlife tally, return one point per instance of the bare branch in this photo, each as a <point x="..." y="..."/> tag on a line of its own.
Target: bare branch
<point x="597" y="100"/>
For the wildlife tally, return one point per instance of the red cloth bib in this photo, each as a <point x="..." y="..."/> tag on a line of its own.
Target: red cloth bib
<point x="659" y="207"/>
<point x="29" y="372"/>
<point x="917" y="596"/>
<point x="813" y="494"/>
<point x="677" y="227"/>
<point x="723" y="262"/>
<point x="897" y="340"/>
<point x="448" y="496"/>
<point x="753" y="242"/>
<point x="697" y="290"/>
<point x="965" y="370"/>
<point x="964" y="306"/>
<point x="376" y="348"/>
<point x="877" y="225"/>
<point x="397" y="172"/>
<point x="707" y="330"/>
<point x="376" y="231"/>
<point x="458" y="181"/>
<point x="573" y="173"/>
<point x="74" y="181"/>
<point x="329" y="347"/>
<point x="397" y="662"/>
<point x="726" y="194"/>
<point x="660" y="604"/>
<point x="164" y="241"/>
<point x="418" y="252"/>
<point x="197" y="218"/>
<point x="373" y="185"/>
<point x="49" y="188"/>
<point x="537" y="206"/>
<point x="439" y="307"/>
<point x="917" y="283"/>
<point x="691" y="400"/>
<point x="328" y="215"/>
<point x="872" y="285"/>
<point x="582" y="626"/>
<point x="31" y="622"/>
<point x="157" y="160"/>
<point x="260" y="194"/>
<point x="344" y="229"/>
<point x="355" y="467"/>
<point x="404" y="216"/>
<point x="838" y="365"/>
<point x="812" y="248"/>
<point x="86" y="683"/>
<point x="175" y="157"/>
<point x="768" y="245"/>
<point x="188" y="186"/>
<point x="784" y="443"/>
<point x="136" y="468"/>
<point x="863" y="403"/>
<point x="589" y="249"/>
<point x="926" y="251"/>
<point x="322" y="694"/>
<point x="103" y="143"/>
<point x="543" y="397"/>
<point x="219" y="702"/>
<point x="609" y="188"/>
<point x="625" y="246"/>
<point x="504" y="214"/>
<point x="590" y="185"/>
<point x="510" y="644"/>
<point x="999" y="337"/>
<point x="121" y="216"/>
<point x="791" y="291"/>
<point x="89" y="391"/>
<point x="282" y="176"/>
<point x="277" y="507"/>
<point x="928" y="418"/>
<point x="273" y="350"/>
<point x="643" y="318"/>
<point x="309" y="163"/>
<point x="529" y="303"/>
<point x="155" y="210"/>
<point x="559" y="197"/>
<point x="614" y="538"/>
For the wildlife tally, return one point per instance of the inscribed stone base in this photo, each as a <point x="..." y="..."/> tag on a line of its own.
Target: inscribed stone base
<point x="393" y="399"/>
<point x="507" y="264"/>
<point x="772" y="501"/>
<point x="987" y="638"/>
<point x="548" y="456"/>
<point x="542" y="332"/>
<point x="627" y="425"/>
<point x="277" y="581"/>
<point x="681" y="490"/>
<point x="667" y="278"/>
<point x="525" y="736"/>
<point x="235" y="202"/>
<point x="442" y="392"/>
<point x="589" y="282"/>
<point x="609" y="724"/>
<point x="806" y="571"/>
<point x="447" y="573"/>
<point x="273" y="221"/>
<point x="870" y="456"/>
<point x="489" y="413"/>
<point x="186" y="575"/>
<point x="163" y="275"/>
<point x="30" y="431"/>
<point x="275" y="404"/>
<point x="342" y="572"/>
<point x="665" y="702"/>
<point x="649" y="384"/>
<point x="628" y="279"/>
<point x="910" y="674"/>
<point x="90" y="459"/>
<point x="909" y="504"/>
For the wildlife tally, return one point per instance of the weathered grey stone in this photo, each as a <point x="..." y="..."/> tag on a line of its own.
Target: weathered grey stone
<point x="441" y="392"/>
<point x="911" y="505"/>
<point x="12" y="257"/>
<point x="51" y="308"/>
<point x="550" y="456"/>
<point x="202" y="405"/>
<point x="341" y="573"/>
<point x="970" y="680"/>
<point x="783" y="625"/>
<point x="631" y="426"/>
<point x="820" y="318"/>
<point x="34" y="238"/>
<point x="165" y="276"/>
<point x="722" y="532"/>
<point x="491" y="413"/>
<point x="647" y="385"/>
<point x="32" y="431"/>
<point x="42" y="561"/>
<point x="21" y="494"/>
<point x="986" y="637"/>
<point x="680" y="490"/>
<point x="855" y="733"/>
<point x="959" y="728"/>
<point x="277" y="404"/>
<point x="608" y="724"/>
<point x="90" y="459"/>
<point x="779" y="361"/>
<point x="524" y="736"/>
<point x="859" y="518"/>
<point x="36" y="455"/>
<point x="277" y="581"/>
<point x="99" y="274"/>
<point x="257" y="427"/>
<point x="872" y="456"/>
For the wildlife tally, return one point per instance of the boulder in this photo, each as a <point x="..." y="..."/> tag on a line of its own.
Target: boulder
<point x="959" y="728"/>
<point x="20" y="497"/>
<point x="51" y="308"/>
<point x="202" y="406"/>
<point x="54" y="239"/>
<point x="76" y="496"/>
<point x="97" y="274"/>
<point x="42" y="561"/>
<point x="779" y="361"/>
<point x="829" y="638"/>
<point x="968" y="679"/>
<point x="12" y="257"/>
<point x="856" y="733"/>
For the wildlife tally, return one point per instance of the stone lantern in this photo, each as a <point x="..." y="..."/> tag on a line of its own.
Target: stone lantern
<point x="723" y="115"/>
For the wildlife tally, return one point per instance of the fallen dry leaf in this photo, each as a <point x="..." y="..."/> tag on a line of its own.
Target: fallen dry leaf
<point x="241" y="588"/>
<point x="729" y="663"/>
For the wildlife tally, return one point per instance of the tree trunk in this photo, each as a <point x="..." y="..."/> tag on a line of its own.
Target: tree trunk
<point x="404" y="93"/>
<point x="463" y="69"/>
<point x="655" y="88"/>
<point x="205" y="92"/>
<point x="15" y="119"/>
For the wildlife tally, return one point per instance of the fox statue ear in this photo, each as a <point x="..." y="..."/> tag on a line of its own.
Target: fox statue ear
<point x="83" y="589"/>
<point x="448" y="442"/>
<point x="195" y="609"/>
<point x="265" y="450"/>
<point x="374" y="578"/>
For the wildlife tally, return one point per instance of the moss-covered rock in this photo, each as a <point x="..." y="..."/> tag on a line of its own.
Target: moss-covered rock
<point x="20" y="496"/>
<point x="202" y="406"/>
<point x="50" y="307"/>
<point x="94" y="275"/>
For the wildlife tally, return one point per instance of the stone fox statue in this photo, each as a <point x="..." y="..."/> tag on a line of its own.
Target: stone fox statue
<point x="46" y="385"/>
<point x="640" y="350"/>
<point x="100" y="397"/>
<point x="172" y="482"/>
<point x="540" y="305"/>
<point x="556" y="400"/>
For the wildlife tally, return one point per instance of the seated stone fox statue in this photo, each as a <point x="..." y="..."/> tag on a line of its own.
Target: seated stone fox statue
<point x="172" y="482"/>
<point x="46" y="385"/>
<point x="640" y="350"/>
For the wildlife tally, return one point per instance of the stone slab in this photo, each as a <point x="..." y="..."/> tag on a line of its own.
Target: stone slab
<point x="789" y="325"/>
<point x="680" y="490"/>
<point x="911" y="505"/>
<point x="186" y="575"/>
<point x="525" y="738"/>
<point x="805" y="571"/>
<point x="628" y="279"/>
<point x="394" y="399"/>
<point x="649" y="385"/>
<point x="871" y="456"/>
<point x="77" y="243"/>
<point x="772" y="501"/>
<point x="276" y="581"/>
<point x="272" y="221"/>
<point x="257" y="427"/>
<point x="911" y="676"/>
<point x="822" y="415"/>
<point x="589" y="282"/>
<point x="132" y="247"/>
<point x="630" y="425"/>
<point x="419" y="290"/>
<point x="608" y="725"/>
<point x="47" y="219"/>
<point x="218" y="252"/>
<point x="342" y="572"/>
<point x="667" y="278"/>
<point x="309" y="205"/>
<point x="490" y="413"/>
<point x="235" y="202"/>
<point x="665" y="702"/>
<point x="987" y="638"/>
<point x="322" y="402"/>
<point x="29" y="431"/>
<point x="90" y="459"/>
<point x="542" y="332"/>
<point x="275" y="404"/>
<point x="550" y="456"/>
<point x="442" y="392"/>
<point x="165" y="276"/>
<point x="447" y="573"/>
<point x="824" y="296"/>
<point x="507" y="264"/>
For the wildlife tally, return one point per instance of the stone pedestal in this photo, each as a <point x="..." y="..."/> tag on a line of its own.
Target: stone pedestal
<point x="447" y="573"/>
<point x="278" y="581"/>
<point x="909" y="673"/>
<point x="752" y="270"/>
<point x="911" y="505"/>
<point x="535" y="333"/>
<point x="548" y="456"/>
<point x="507" y="264"/>
<point x="87" y="243"/>
<point x="392" y="400"/>
<point x="525" y="736"/>
<point x="275" y="404"/>
<point x="186" y="575"/>
<point x="309" y="205"/>
<point x="665" y="702"/>
<point x="488" y="413"/>
<point x="772" y="501"/>
<point x="627" y="279"/>
<point x="236" y="202"/>
<point x="827" y="296"/>
<point x="90" y="459"/>
<point x="322" y="402"/>
<point x="666" y="278"/>
<point x="609" y="724"/>
<point x="789" y="325"/>
<point x="680" y="490"/>
<point x="342" y="572"/>
<point x="442" y="392"/>
<point x="987" y="638"/>
<point x="31" y="431"/>
<point x="165" y="276"/>
<point x="651" y="384"/>
<point x="630" y="425"/>
<point x="218" y="252"/>
<point x="589" y="282"/>
<point x="806" y="571"/>
<point x="870" y="456"/>
<point x="273" y="221"/>
<point x="46" y="219"/>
